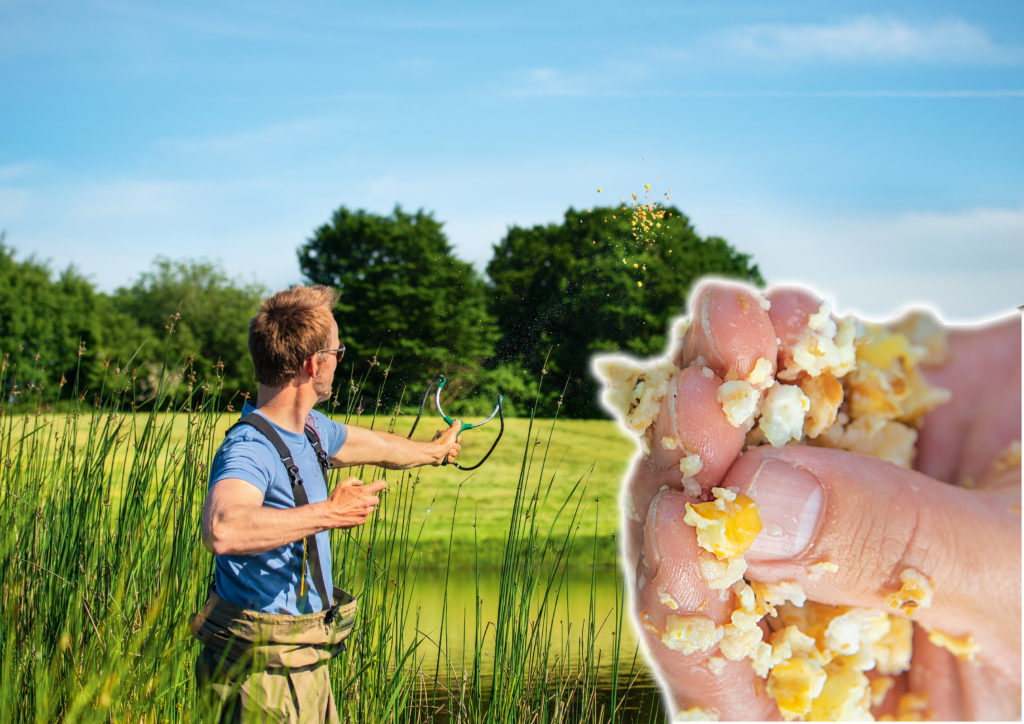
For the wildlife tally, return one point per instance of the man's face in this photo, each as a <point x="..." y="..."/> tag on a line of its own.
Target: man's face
<point x="328" y="364"/>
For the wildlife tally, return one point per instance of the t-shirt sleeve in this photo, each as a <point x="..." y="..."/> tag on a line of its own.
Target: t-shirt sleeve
<point x="246" y="459"/>
<point x="332" y="434"/>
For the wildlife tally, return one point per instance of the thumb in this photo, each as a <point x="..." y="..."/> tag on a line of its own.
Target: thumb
<point x="847" y="527"/>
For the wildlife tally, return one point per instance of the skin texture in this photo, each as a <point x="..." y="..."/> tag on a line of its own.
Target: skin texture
<point x="236" y="522"/>
<point x="869" y="517"/>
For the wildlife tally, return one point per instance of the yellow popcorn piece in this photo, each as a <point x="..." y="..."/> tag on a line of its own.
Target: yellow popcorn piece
<point x="963" y="647"/>
<point x="912" y="707"/>
<point x="880" y="688"/>
<point x="727" y="525"/>
<point x="915" y="592"/>
<point x="892" y="653"/>
<point x="794" y="685"/>
<point x="887" y="382"/>
<point x="846" y="696"/>
<point x="825" y="395"/>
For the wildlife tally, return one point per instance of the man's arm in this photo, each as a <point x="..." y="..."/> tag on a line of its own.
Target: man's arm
<point x="235" y="522"/>
<point x="370" y="447"/>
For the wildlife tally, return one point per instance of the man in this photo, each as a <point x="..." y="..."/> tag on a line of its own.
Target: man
<point x="267" y="629"/>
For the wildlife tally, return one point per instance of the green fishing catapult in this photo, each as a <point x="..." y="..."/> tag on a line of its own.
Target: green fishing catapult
<point x="440" y="382"/>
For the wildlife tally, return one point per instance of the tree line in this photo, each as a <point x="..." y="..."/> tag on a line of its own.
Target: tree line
<point x="600" y="280"/>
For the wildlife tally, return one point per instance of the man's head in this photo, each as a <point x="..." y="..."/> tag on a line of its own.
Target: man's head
<point x="291" y="327"/>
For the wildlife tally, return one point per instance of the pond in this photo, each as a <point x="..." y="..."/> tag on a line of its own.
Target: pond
<point x="583" y="622"/>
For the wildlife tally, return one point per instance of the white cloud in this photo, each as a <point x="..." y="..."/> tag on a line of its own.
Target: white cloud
<point x="870" y="38"/>
<point x="967" y="264"/>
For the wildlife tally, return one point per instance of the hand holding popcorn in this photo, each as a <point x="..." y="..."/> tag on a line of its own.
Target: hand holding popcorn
<point x="785" y="557"/>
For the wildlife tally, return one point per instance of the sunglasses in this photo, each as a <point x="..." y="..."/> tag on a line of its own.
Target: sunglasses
<point x="338" y="351"/>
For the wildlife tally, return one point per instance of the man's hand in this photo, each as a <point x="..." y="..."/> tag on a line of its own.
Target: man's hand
<point x="351" y="502"/>
<point x="374" y="447"/>
<point x="449" y="441"/>
<point x="871" y="518"/>
<point x="235" y="521"/>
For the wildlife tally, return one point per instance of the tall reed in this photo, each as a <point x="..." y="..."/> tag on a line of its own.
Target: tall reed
<point x="102" y="565"/>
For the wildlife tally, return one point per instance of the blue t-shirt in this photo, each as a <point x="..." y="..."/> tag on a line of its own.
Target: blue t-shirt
<point x="269" y="581"/>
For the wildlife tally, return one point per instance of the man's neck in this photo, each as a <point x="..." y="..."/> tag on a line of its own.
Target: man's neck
<point x="287" y="407"/>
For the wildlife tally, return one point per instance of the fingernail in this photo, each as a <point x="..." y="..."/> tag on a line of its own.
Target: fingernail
<point x="790" y="501"/>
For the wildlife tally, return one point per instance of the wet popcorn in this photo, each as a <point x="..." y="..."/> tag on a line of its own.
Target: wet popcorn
<point x="840" y="385"/>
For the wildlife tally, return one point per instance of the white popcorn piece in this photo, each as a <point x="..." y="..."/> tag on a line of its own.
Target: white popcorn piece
<point x="739" y="401"/>
<point x="688" y="634"/>
<point x="782" y="414"/>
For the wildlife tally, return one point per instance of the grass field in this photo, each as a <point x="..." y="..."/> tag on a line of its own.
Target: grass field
<point x="589" y="456"/>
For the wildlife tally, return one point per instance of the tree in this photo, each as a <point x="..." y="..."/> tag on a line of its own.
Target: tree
<point x="192" y="309"/>
<point x="605" y="280"/>
<point x="407" y="303"/>
<point x="55" y="329"/>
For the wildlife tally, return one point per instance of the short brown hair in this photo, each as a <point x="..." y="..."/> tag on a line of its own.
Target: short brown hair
<point x="289" y="328"/>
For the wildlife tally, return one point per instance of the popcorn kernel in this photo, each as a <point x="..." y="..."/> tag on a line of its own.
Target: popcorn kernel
<point x="725" y="527"/>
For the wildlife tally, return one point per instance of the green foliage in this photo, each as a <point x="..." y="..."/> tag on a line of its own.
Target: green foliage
<point x="597" y="282"/>
<point x="206" y="314"/>
<point x="406" y="301"/>
<point x="59" y="331"/>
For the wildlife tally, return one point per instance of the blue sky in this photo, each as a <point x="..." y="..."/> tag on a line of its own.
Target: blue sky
<point x="874" y="150"/>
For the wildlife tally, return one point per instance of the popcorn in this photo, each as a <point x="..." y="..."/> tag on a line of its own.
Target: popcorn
<point x="720" y="574"/>
<point x="915" y="592"/>
<point x="690" y="464"/>
<point x="826" y="346"/>
<point x="782" y="414"/>
<point x="963" y="647"/>
<point x="794" y="684"/>
<point x="635" y="390"/>
<point x="739" y="401"/>
<point x="840" y="385"/>
<point x="688" y="634"/>
<point x="725" y="526"/>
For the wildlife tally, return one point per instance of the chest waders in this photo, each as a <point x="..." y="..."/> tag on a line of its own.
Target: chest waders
<point x="253" y="662"/>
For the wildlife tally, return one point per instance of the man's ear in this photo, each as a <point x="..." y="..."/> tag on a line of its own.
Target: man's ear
<point x="311" y="365"/>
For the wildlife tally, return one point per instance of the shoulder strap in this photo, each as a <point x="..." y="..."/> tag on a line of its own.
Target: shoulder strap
<point x="321" y="454"/>
<point x="261" y="423"/>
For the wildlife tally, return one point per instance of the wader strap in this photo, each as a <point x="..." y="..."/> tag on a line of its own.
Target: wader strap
<point x="261" y="423"/>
